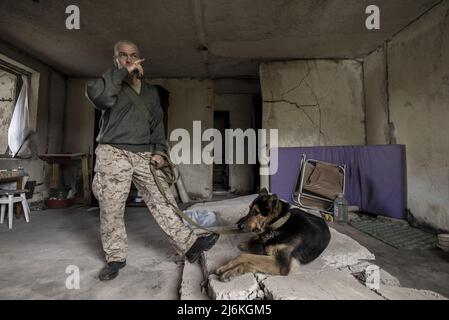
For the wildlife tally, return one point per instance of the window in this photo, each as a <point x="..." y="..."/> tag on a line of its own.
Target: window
<point x="18" y="84"/>
<point x="9" y="83"/>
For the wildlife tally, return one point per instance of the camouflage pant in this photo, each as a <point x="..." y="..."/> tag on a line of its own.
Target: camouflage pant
<point x="114" y="171"/>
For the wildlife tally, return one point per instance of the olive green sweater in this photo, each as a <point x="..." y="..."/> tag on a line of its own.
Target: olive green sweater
<point x="123" y="124"/>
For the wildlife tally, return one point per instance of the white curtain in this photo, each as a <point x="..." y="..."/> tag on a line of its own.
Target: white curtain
<point x="19" y="128"/>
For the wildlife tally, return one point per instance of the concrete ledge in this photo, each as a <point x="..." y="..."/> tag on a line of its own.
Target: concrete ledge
<point x="326" y="284"/>
<point x="399" y="293"/>
<point x="244" y="287"/>
<point x="192" y="283"/>
<point x="339" y="273"/>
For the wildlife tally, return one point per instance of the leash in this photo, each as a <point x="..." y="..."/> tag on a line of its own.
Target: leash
<point x="171" y="179"/>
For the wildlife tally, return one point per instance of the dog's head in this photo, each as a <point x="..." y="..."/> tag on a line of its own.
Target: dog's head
<point x="262" y="211"/>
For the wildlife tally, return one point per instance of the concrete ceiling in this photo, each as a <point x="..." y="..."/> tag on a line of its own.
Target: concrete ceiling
<point x="200" y="38"/>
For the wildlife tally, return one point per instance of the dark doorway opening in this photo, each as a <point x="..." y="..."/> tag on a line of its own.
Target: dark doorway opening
<point x="221" y="171"/>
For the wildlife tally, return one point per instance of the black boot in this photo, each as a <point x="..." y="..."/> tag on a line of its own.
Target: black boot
<point x="201" y="244"/>
<point x="110" y="271"/>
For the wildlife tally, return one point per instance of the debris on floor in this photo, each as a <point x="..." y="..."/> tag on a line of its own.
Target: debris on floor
<point x="343" y="271"/>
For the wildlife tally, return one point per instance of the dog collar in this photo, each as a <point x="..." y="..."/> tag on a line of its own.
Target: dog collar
<point x="280" y="222"/>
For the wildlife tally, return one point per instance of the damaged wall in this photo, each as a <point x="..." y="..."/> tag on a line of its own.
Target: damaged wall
<point x="376" y="98"/>
<point x="418" y="67"/>
<point x="45" y="120"/>
<point x="80" y="119"/>
<point x="314" y="102"/>
<point x="57" y="98"/>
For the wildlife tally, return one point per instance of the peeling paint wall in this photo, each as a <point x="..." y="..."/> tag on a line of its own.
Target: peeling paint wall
<point x="79" y="125"/>
<point x="314" y="102"/>
<point x="57" y="112"/>
<point x="418" y="64"/>
<point x="376" y="101"/>
<point x="189" y="100"/>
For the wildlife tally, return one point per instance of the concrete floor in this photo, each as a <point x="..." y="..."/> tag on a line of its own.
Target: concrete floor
<point x="34" y="258"/>
<point x="420" y="269"/>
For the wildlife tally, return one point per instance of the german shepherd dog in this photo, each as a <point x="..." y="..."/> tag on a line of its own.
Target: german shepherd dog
<point x="282" y="232"/>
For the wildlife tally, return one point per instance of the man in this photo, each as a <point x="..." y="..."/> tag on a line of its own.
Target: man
<point x="131" y="135"/>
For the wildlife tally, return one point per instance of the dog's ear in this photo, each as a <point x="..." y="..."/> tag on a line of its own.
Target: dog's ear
<point x="264" y="191"/>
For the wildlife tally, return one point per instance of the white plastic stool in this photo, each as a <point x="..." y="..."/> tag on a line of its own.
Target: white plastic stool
<point x="7" y="198"/>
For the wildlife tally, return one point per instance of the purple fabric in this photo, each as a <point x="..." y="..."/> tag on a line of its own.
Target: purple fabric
<point x="375" y="175"/>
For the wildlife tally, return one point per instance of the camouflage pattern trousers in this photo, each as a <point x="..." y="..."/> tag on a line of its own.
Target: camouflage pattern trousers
<point x="115" y="169"/>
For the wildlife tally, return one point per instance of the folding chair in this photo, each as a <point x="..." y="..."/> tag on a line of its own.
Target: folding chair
<point x="318" y="184"/>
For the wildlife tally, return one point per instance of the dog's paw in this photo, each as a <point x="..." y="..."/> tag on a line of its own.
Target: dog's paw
<point x="244" y="246"/>
<point x="227" y="272"/>
<point x="231" y="273"/>
<point x="219" y="271"/>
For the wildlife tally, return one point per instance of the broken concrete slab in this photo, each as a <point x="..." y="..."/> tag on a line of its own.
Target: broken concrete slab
<point x="244" y="287"/>
<point x="400" y="293"/>
<point x="327" y="284"/>
<point x="192" y="283"/>
<point x="344" y="251"/>
<point x="360" y="272"/>
<point x="330" y="276"/>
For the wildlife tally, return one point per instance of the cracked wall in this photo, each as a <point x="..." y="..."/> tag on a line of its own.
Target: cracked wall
<point x="376" y="99"/>
<point x="418" y="67"/>
<point x="314" y="102"/>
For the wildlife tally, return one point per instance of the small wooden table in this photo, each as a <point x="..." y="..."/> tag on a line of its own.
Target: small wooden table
<point x="19" y="186"/>
<point x="58" y="159"/>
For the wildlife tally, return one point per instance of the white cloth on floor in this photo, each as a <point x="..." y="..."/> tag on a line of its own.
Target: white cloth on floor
<point x="203" y="217"/>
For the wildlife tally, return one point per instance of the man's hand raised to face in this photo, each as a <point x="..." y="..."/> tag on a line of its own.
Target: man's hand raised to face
<point x="132" y="67"/>
<point x="136" y="66"/>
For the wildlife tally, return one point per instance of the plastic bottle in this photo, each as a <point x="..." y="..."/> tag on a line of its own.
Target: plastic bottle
<point x="340" y="209"/>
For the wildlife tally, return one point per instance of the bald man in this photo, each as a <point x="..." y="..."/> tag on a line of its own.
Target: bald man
<point x="130" y="136"/>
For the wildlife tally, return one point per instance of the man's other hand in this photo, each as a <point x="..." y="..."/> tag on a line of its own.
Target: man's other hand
<point x="159" y="159"/>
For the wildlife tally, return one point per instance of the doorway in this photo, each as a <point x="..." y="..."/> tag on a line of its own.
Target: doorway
<point x="221" y="171"/>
